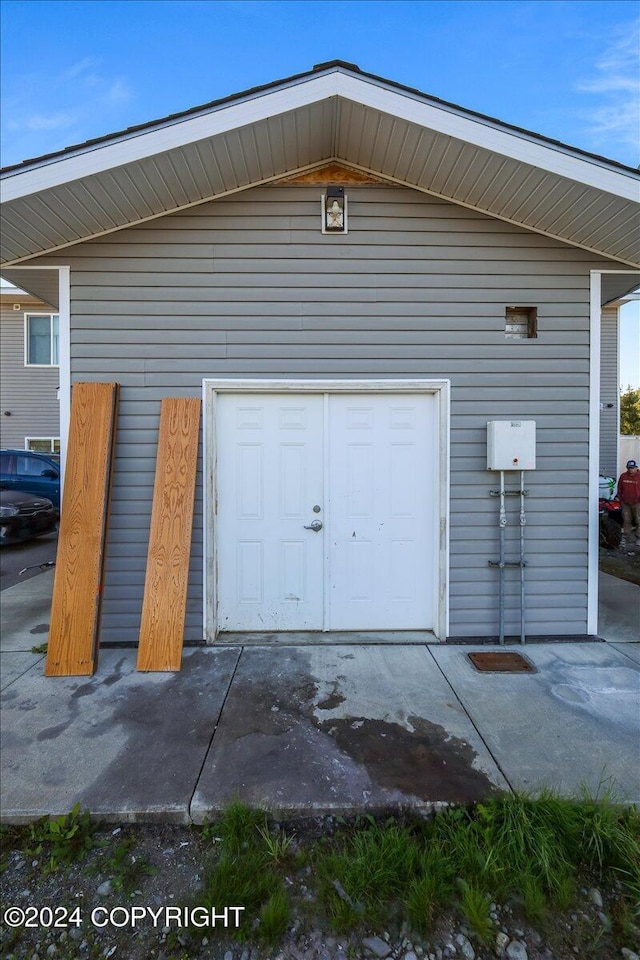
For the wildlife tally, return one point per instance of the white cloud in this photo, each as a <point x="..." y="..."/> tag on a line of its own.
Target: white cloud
<point x="118" y="92"/>
<point x="42" y="121"/>
<point x="45" y="110"/>
<point x="616" y="84"/>
<point x="80" y="67"/>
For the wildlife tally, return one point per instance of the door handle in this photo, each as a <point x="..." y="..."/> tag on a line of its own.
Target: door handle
<point x="315" y="526"/>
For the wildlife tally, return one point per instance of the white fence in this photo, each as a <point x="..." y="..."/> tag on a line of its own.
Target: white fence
<point x="628" y="449"/>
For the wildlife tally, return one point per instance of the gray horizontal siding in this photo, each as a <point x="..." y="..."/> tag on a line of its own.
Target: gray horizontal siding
<point x="28" y="393"/>
<point x="418" y="287"/>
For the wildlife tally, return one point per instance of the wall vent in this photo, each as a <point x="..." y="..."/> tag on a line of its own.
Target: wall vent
<point x="521" y="323"/>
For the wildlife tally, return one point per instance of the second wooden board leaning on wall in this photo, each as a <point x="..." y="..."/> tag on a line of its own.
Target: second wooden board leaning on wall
<point x="165" y="588"/>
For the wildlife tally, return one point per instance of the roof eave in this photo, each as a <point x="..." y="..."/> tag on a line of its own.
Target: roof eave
<point x="327" y="93"/>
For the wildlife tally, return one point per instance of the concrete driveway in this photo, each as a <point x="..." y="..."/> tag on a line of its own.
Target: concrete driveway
<point x="302" y="729"/>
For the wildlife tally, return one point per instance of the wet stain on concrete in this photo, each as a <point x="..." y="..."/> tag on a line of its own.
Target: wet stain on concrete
<point x="50" y="733"/>
<point x="333" y="700"/>
<point x="426" y="762"/>
<point x="164" y="723"/>
<point x="40" y="628"/>
<point x="273" y="742"/>
<point x="572" y="694"/>
<point x="116" y="675"/>
<point x="83" y="689"/>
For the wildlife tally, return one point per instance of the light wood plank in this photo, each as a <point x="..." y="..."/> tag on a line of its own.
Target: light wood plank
<point x="331" y="173"/>
<point x="77" y="588"/>
<point x="165" y="589"/>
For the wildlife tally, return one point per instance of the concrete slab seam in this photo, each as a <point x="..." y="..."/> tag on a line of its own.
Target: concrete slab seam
<point x="30" y="667"/>
<point x="623" y="653"/>
<point x="472" y="722"/>
<point x="215" y="729"/>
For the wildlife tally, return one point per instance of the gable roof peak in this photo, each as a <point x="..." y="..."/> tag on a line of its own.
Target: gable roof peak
<point x="333" y="113"/>
<point x="335" y="65"/>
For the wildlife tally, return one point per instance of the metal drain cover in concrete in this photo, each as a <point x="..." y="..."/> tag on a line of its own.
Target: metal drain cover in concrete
<point x="500" y="661"/>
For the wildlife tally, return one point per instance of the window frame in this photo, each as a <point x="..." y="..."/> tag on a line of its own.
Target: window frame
<point x="50" y="440"/>
<point x="37" y="313"/>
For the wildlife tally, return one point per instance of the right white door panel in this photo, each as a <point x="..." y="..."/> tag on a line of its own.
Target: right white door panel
<point x="381" y="512"/>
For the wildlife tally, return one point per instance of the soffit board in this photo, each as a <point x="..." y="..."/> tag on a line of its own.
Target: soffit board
<point x="42" y="284"/>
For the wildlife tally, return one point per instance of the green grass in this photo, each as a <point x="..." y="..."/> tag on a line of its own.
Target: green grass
<point x="510" y="849"/>
<point x="431" y="888"/>
<point x="125" y="869"/>
<point x="274" y="917"/>
<point x="475" y="903"/>
<point x="278" y="845"/>
<point x="245" y="870"/>
<point x="366" y="875"/>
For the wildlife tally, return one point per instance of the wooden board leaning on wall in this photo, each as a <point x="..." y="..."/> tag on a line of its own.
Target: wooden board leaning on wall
<point x="77" y="587"/>
<point x="165" y="589"/>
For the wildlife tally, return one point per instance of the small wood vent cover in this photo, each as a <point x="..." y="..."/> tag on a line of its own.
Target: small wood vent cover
<point x="501" y="661"/>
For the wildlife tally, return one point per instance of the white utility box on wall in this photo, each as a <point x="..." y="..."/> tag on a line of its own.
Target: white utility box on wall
<point x="511" y="445"/>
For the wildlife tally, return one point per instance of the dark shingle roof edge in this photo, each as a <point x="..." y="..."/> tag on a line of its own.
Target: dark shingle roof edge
<point x="329" y="66"/>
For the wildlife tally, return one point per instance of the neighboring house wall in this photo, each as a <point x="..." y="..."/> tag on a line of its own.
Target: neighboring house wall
<point x="609" y="392"/>
<point x="248" y="287"/>
<point x="27" y="393"/>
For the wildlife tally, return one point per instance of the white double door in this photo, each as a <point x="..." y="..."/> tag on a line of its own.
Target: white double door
<point x="326" y="511"/>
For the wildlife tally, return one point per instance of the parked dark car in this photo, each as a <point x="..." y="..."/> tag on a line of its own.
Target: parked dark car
<point x="31" y="472"/>
<point x="23" y="516"/>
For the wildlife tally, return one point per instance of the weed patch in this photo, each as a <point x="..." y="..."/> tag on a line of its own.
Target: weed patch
<point x="126" y="869"/>
<point x="61" y="839"/>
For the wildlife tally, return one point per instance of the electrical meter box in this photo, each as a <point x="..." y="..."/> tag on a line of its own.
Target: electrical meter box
<point x="511" y="445"/>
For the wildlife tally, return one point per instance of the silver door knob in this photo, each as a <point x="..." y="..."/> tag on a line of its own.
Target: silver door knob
<point x="315" y="526"/>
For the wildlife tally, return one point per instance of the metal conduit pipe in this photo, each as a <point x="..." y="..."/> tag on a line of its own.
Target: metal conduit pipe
<point x="523" y="521"/>
<point x="511" y="447"/>
<point x="503" y="524"/>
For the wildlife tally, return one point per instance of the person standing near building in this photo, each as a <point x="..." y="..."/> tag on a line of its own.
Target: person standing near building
<point x="629" y="496"/>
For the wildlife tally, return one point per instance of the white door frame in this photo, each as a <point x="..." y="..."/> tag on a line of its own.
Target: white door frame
<point x="210" y="390"/>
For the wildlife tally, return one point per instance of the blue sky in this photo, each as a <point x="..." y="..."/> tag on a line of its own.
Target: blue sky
<point x="75" y="70"/>
<point x="567" y="69"/>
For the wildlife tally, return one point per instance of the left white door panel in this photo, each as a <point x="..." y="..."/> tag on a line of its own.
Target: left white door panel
<point x="269" y="476"/>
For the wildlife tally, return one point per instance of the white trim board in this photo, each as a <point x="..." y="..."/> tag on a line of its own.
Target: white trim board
<point x="211" y="389"/>
<point x="594" y="442"/>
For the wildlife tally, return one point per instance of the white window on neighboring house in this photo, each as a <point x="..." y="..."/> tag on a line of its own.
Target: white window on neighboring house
<point x="42" y="444"/>
<point x="41" y="339"/>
